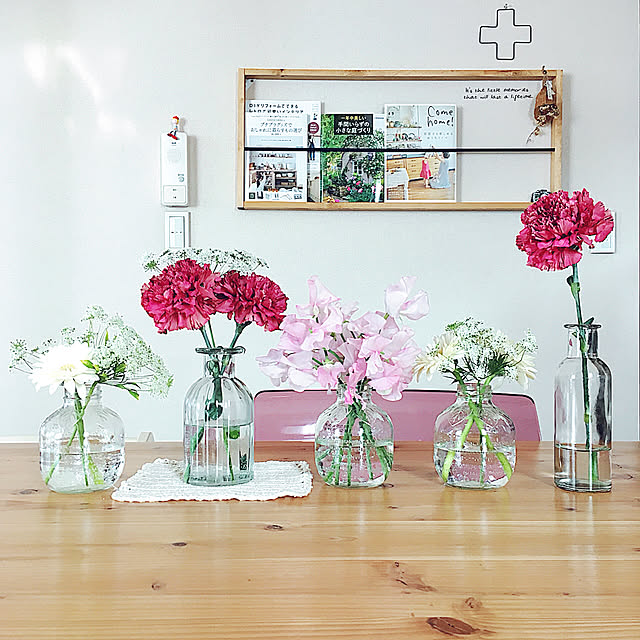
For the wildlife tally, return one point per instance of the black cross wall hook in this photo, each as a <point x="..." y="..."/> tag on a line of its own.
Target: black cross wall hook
<point x="513" y="33"/>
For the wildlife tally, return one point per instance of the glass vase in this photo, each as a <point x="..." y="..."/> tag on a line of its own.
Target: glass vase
<point x="582" y="415"/>
<point x="354" y="442"/>
<point x="474" y="442"/>
<point x="218" y="423"/>
<point x="82" y="445"/>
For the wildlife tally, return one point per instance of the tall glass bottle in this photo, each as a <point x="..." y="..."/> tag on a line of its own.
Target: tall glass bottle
<point x="218" y="423"/>
<point x="582" y="414"/>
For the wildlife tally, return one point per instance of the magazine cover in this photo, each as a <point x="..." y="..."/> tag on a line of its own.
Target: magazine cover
<point x="312" y="108"/>
<point x="349" y="176"/>
<point x="420" y="176"/>
<point x="271" y="174"/>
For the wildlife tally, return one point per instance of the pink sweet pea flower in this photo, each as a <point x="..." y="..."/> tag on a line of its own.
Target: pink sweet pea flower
<point x="324" y="344"/>
<point x="355" y="374"/>
<point x="329" y="374"/>
<point x="274" y="366"/>
<point x="398" y="303"/>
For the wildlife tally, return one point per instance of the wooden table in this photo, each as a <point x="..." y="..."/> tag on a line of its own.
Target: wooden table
<point x="410" y="560"/>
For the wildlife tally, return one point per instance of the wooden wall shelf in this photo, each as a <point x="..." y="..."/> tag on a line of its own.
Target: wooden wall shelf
<point x="246" y="75"/>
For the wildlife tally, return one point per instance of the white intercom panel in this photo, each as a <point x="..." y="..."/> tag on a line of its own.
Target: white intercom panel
<point x="175" y="170"/>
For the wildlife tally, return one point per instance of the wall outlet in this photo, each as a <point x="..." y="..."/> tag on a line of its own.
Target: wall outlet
<point x="177" y="229"/>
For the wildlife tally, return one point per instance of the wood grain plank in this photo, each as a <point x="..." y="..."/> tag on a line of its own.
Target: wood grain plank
<point x="418" y="75"/>
<point x="304" y="616"/>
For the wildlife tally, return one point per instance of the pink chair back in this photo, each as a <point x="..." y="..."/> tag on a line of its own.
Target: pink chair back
<point x="292" y="415"/>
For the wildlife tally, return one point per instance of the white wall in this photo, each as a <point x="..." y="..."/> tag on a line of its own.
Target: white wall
<point x="88" y="87"/>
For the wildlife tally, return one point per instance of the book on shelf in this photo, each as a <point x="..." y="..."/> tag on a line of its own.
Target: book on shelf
<point x="352" y="176"/>
<point x="410" y="172"/>
<point x="268" y="119"/>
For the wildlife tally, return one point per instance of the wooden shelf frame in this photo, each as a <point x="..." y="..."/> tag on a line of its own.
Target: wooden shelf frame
<point x="246" y="74"/>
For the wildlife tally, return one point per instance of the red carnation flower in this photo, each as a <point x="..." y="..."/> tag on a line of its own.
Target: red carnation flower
<point x="251" y="298"/>
<point x="557" y="225"/>
<point x="181" y="296"/>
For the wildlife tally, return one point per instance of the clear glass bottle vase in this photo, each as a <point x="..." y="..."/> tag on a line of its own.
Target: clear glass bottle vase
<point x="474" y="442"/>
<point x="354" y="442"/>
<point x="582" y="415"/>
<point x="218" y="423"/>
<point x="82" y="445"/>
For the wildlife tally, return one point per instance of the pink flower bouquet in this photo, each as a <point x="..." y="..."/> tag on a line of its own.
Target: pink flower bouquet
<point x="325" y="343"/>
<point x="188" y="293"/>
<point x="185" y="295"/>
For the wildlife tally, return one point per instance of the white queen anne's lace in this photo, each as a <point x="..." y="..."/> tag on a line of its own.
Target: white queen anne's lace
<point x="104" y="351"/>
<point x="219" y="260"/>
<point x="471" y="351"/>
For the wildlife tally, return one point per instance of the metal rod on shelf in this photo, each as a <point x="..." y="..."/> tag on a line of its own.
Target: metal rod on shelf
<point x="395" y="150"/>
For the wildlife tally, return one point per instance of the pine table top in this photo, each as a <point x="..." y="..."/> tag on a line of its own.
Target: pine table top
<point x="412" y="559"/>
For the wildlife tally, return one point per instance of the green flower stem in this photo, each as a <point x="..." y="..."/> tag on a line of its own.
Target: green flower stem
<point x="504" y="462"/>
<point x="225" y="437"/>
<point x="574" y="284"/>
<point x="448" y="461"/>
<point x="386" y="459"/>
<point x="347" y="439"/>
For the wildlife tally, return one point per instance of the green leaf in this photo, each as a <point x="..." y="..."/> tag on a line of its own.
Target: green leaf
<point x="589" y="322"/>
<point x="135" y="394"/>
<point x="89" y="364"/>
<point x="234" y="433"/>
<point x="213" y="410"/>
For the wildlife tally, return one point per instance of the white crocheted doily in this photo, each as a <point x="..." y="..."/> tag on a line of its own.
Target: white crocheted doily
<point x="161" y="481"/>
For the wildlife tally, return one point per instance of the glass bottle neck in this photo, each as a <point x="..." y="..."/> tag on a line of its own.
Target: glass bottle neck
<point x="219" y="362"/>
<point x="582" y="340"/>
<point x="363" y="392"/>
<point x="474" y="391"/>
<point x="94" y="397"/>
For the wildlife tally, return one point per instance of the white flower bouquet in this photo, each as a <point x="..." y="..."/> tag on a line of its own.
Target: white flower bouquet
<point x="105" y="352"/>
<point x="474" y="355"/>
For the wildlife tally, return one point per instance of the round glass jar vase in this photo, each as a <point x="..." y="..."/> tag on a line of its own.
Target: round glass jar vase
<point x="354" y="442"/>
<point x="474" y="442"/>
<point x="82" y="445"/>
<point x="582" y="415"/>
<point x="218" y="423"/>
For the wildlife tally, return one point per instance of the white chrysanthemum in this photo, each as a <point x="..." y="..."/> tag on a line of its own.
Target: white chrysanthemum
<point x="62" y="366"/>
<point x="438" y="355"/>
<point x="525" y="370"/>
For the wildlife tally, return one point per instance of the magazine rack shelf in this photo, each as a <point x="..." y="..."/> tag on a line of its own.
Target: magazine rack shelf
<point x="248" y="75"/>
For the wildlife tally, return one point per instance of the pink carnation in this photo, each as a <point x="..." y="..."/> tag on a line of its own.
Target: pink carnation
<point x="557" y="225"/>
<point x="181" y="296"/>
<point x="251" y="298"/>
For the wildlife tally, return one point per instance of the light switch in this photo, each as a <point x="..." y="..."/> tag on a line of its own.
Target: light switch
<point x="177" y="233"/>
